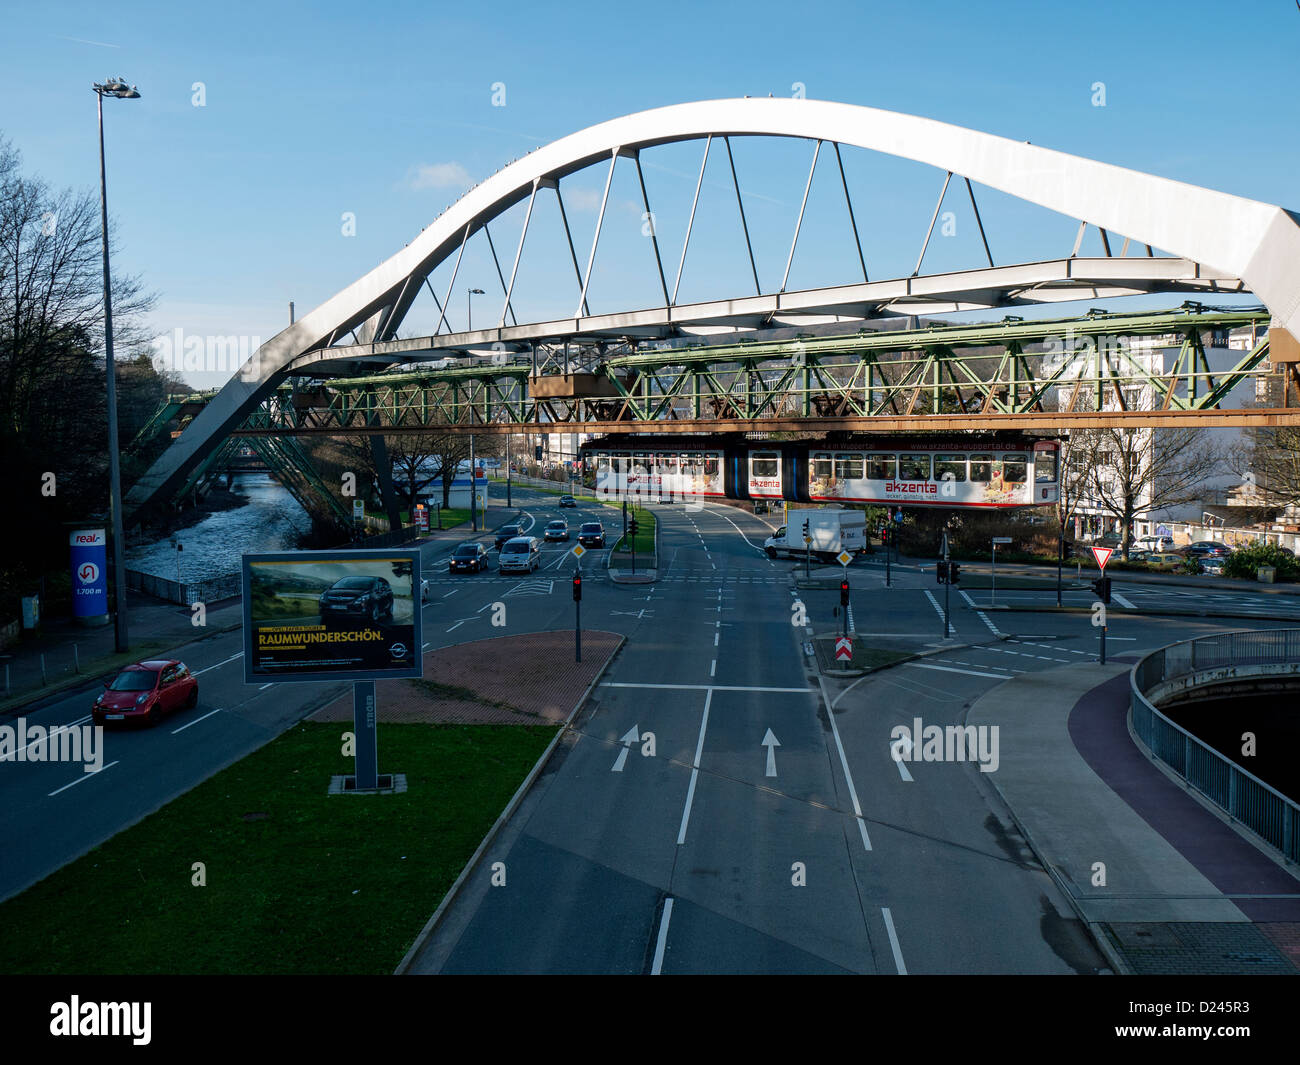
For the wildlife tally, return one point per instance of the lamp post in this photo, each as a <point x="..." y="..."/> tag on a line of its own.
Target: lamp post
<point x="118" y="89"/>
<point x="470" y="293"/>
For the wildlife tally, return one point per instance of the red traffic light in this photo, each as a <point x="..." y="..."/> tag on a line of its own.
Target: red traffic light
<point x="577" y="587"/>
<point x="844" y="592"/>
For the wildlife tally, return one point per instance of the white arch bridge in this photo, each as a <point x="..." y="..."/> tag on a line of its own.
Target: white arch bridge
<point x="622" y="365"/>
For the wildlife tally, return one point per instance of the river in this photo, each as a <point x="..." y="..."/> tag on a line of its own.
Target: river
<point x="271" y="521"/>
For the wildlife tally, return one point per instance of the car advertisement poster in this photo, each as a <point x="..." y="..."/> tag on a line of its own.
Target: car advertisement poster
<point x="332" y="615"/>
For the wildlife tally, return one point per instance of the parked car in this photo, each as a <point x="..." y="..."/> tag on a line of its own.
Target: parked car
<point x="145" y="691"/>
<point x="1203" y="548"/>
<point x="1154" y="543"/>
<point x="523" y="553"/>
<point x="357" y="597"/>
<point x="424" y="589"/>
<point x="592" y="534"/>
<point x="1164" y="559"/>
<point x="469" y="557"/>
<point x="1213" y="565"/>
<point x="556" y="530"/>
<point x="507" y="532"/>
<point x="568" y="501"/>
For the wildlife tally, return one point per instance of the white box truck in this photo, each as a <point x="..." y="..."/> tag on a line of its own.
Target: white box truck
<point x="831" y="531"/>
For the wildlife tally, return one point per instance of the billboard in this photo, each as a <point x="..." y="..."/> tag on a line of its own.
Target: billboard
<point x="332" y="615"/>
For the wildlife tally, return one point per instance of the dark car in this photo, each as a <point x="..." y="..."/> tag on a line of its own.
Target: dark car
<point x="507" y="532"/>
<point x="357" y="597"/>
<point x="1207" y="548"/>
<point x="145" y="691"/>
<point x="568" y="501"/>
<point x="592" y="534"/>
<point x="468" y="558"/>
<point x="556" y="530"/>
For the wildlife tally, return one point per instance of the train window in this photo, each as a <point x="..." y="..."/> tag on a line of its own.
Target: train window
<point x="822" y="466"/>
<point x="848" y="467"/>
<point x="1015" y="468"/>
<point x="882" y="467"/>
<point x="710" y="465"/>
<point x="667" y="463"/>
<point x="764" y="464"/>
<point x="1045" y="466"/>
<point x="914" y="467"/>
<point x="981" y="468"/>
<point x="950" y="467"/>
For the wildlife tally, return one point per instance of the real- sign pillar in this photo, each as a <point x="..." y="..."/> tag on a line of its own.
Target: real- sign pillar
<point x="363" y="726"/>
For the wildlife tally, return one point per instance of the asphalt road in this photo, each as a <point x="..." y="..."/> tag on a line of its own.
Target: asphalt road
<point x="706" y="855"/>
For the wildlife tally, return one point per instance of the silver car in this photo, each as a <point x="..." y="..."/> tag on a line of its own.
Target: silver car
<point x="523" y="554"/>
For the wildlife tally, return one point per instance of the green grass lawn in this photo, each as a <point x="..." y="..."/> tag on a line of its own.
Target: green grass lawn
<point x="297" y="881"/>
<point x="645" y="537"/>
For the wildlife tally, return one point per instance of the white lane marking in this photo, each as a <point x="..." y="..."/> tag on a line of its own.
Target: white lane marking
<point x="716" y="634"/>
<point x="200" y="672"/>
<point x="425" y="647"/>
<point x="844" y="765"/>
<point x="1121" y="600"/>
<point x="270" y="682"/>
<point x="196" y="721"/>
<point x="695" y="769"/>
<point x="657" y="968"/>
<point x="949" y="669"/>
<point x="84" y="777"/>
<point x="451" y="593"/>
<point x="893" y="941"/>
<point x="739" y="530"/>
<point x="982" y="616"/>
<point x="939" y="610"/>
<point x="893" y="754"/>
<point x="713" y="667"/>
<point x="700" y="687"/>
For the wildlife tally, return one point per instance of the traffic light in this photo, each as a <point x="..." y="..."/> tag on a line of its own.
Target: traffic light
<point x="844" y="592"/>
<point x="941" y="572"/>
<point x="1101" y="589"/>
<point x="954" y="573"/>
<point x="577" y="587"/>
<point x="537" y="452"/>
<point x="631" y="527"/>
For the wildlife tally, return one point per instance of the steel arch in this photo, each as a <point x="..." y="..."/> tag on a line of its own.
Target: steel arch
<point x="1256" y="242"/>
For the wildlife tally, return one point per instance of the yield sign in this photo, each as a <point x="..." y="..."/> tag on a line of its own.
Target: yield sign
<point x="843" y="648"/>
<point x="1102" y="555"/>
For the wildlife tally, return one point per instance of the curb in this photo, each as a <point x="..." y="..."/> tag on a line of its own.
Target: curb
<point x="1144" y="612"/>
<point x="847" y="673"/>
<point x="504" y="816"/>
<point x="648" y="577"/>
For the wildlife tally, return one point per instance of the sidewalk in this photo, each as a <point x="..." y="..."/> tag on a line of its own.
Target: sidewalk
<point x="1184" y="891"/>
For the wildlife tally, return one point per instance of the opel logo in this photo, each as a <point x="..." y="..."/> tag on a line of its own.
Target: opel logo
<point x="398" y="650"/>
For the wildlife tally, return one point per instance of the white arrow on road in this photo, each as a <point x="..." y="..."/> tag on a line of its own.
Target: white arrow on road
<point x="628" y="738"/>
<point x="900" y="749"/>
<point x="771" y="743"/>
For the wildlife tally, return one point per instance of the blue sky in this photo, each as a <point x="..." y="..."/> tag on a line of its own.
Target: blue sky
<point x="384" y="111"/>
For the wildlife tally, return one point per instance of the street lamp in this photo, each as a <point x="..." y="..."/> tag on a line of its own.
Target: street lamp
<point x="470" y="293"/>
<point x="118" y="89"/>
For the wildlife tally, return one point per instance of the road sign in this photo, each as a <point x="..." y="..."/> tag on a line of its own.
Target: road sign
<point x="358" y="509"/>
<point x="843" y="648"/>
<point x="1102" y="555"/>
<point x="1002" y="539"/>
<point x="843" y="558"/>
<point x="579" y="550"/>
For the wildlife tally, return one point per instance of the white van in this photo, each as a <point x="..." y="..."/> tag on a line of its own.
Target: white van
<point x="523" y="554"/>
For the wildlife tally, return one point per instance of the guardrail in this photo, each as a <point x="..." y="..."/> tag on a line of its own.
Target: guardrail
<point x="1247" y="799"/>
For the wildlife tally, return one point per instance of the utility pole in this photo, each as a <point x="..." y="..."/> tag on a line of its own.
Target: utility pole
<point x="947" y="586"/>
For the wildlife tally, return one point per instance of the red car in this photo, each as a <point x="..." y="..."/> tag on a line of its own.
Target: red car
<point x="146" y="691"/>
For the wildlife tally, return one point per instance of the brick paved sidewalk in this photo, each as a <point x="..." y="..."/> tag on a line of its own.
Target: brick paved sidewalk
<point x="523" y="680"/>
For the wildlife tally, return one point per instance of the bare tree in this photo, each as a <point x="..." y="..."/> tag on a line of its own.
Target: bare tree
<point x="1269" y="458"/>
<point x="1130" y="473"/>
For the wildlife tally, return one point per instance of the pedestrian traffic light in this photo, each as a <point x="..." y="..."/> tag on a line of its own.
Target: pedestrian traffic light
<point x="941" y="572"/>
<point x="577" y="587"/>
<point x="1101" y="589"/>
<point x="844" y="592"/>
<point x="954" y="573"/>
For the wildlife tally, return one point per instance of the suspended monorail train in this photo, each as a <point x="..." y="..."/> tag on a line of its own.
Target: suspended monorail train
<point x="991" y="470"/>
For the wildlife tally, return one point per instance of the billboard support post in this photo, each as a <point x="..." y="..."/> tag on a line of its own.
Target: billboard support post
<point x="367" y="742"/>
